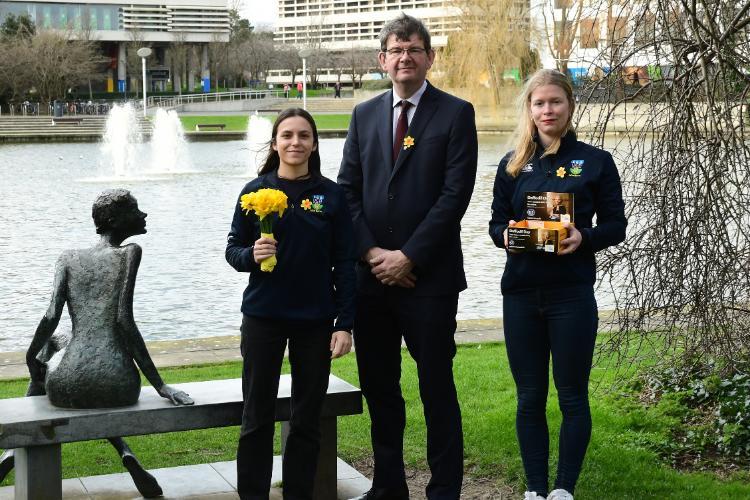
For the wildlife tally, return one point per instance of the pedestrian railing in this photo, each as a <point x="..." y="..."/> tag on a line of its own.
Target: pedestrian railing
<point x="237" y="95"/>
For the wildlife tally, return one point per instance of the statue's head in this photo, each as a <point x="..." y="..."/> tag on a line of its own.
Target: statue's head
<point x="116" y="210"/>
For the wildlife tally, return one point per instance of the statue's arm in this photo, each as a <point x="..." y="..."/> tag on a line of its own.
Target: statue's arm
<point x="47" y="325"/>
<point x="132" y="336"/>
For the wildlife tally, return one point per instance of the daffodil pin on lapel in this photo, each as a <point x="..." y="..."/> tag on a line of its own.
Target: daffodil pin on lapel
<point x="408" y="142"/>
<point x="561" y="172"/>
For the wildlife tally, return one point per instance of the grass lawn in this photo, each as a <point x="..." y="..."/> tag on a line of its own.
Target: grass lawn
<point x="619" y="464"/>
<point x="239" y="122"/>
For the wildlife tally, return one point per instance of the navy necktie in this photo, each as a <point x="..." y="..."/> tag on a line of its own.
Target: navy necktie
<point x="401" y="127"/>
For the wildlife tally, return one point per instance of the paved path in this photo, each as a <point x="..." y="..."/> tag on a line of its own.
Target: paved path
<point x="227" y="348"/>
<point x="216" y="481"/>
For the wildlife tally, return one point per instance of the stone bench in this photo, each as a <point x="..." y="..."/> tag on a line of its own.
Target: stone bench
<point x="36" y="429"/>
<point x="206" y="126"/>
<point x="67" y="119"/>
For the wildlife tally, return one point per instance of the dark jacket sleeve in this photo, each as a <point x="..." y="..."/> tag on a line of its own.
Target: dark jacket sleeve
<point x="350" y="178"/>
<point x="239" y="252"/>
<point x="344" y="257"/>
<point x="610" y="210"/>
<point x="458" y="184"/>
<point x="502" y="207"/>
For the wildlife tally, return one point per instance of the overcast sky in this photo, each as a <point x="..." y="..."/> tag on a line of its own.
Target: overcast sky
<point x="258" y="11"/>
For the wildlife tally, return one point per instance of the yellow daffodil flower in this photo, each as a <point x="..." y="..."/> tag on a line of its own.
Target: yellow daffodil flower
<point x="264" y="202"/>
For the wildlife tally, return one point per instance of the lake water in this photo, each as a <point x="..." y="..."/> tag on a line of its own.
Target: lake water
<point x="185" y="287"/>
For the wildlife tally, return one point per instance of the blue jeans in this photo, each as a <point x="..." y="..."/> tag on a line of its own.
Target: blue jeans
<point x="562" y="322"/>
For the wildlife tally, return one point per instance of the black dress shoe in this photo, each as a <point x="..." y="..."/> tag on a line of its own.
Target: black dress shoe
<point x="385" y="494"/>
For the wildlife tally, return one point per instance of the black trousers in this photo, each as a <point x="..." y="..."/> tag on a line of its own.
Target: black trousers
<point x="561" y="323"/>
<point x="428" y="325"/>
<point x="263" y="343"/>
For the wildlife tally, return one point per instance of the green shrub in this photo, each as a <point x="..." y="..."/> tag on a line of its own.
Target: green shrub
<point x="710" y="413"/>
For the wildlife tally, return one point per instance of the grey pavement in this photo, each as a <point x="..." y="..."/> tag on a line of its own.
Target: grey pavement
<point x="209" y="350"/>
<point x="210" y="481"/>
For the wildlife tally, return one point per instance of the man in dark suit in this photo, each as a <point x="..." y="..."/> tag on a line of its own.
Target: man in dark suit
<point x="409" y="170"/>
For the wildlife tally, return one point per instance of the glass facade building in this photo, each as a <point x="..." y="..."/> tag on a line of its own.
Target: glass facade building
<point x="64" y="16"/>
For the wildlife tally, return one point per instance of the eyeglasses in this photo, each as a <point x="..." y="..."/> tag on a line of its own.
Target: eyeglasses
<point x="412" y="51"/>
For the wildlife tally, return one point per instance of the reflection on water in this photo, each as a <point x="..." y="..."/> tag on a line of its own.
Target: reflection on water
<point x="185" y="288"/>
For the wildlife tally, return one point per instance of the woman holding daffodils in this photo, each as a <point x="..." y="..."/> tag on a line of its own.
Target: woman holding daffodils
<point x="549" y="307"/>
<point x="293" y="234"/>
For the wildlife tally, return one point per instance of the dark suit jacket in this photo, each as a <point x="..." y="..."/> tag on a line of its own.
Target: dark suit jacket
<point x="417" y="204"/>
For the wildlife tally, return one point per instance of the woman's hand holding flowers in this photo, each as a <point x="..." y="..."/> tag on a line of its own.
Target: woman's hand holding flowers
<point x="263" y="249"/>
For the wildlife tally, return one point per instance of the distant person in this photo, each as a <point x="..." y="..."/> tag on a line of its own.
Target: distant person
<point x="337" y="90"/>
<point x="409" y="165"/>
<point x="549" y="307"/>
<point x="306" y="303"/>
<point x="300" y="88"/>
<point x="286" y="91"/>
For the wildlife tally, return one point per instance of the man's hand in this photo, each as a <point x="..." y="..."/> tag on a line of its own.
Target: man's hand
<point x="372" y="253"/>
<point x="341" y="344"/>
<point x="263" y="249"/>
<point x="572" y="242"/>
<point x="175" y="396"/>
<point x="392" y="267"/>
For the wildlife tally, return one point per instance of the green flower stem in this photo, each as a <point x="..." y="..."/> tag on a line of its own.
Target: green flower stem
<point x="266" y="225"/>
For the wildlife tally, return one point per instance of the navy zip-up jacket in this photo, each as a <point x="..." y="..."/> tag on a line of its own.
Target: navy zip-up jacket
<point x="597" y="191"/>
<point x="314" y="279"/>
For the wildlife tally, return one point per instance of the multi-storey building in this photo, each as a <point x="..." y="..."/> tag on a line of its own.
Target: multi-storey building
<point x="114" y="24"/>
<point x="339" y="24"/>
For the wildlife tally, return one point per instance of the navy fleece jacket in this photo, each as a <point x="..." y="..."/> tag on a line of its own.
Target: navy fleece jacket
<point x="314" y="279"/>
<point x="597" y="191"/>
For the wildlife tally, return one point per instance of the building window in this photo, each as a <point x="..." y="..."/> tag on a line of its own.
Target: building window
<point x="589" y="33"/>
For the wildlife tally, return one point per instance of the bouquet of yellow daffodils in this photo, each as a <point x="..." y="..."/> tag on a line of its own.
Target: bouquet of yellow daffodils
<point x="264" y="202"/>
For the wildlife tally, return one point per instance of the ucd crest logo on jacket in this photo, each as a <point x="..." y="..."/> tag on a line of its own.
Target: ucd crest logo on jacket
<point x="576" y="168"/>
<point x="316" y="205"/>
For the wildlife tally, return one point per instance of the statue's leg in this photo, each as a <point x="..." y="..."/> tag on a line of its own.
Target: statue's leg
<point x="145" y="482"/>
<point x="7" y="461"/>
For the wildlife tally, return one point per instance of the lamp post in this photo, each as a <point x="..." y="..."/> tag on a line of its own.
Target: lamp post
<point x="304" y="54"/>
<point x="143" y="53"/>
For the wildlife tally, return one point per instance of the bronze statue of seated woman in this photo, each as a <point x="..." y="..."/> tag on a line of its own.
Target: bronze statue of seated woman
<point x="96" y="366"/>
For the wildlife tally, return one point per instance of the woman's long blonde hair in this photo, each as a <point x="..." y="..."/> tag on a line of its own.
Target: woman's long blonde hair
<point x="525" y="131"/>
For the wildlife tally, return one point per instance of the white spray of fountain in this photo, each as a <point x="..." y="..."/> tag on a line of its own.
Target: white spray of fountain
<point x="258" y="134"/>
<point x="121" y="137"/>
<point x="168" y="146"/>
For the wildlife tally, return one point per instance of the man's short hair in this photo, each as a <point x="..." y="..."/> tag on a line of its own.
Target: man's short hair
<point x="108" y="205"/>
<point x="404" y="27"/>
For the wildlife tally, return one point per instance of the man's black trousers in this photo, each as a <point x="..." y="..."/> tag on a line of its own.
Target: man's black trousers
<point x="427" y="325"/>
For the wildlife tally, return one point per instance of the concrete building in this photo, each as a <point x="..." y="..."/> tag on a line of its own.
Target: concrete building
<point x="154" y="23"/>
<point x="343" y="25"/>
<point x="340" y="24"/>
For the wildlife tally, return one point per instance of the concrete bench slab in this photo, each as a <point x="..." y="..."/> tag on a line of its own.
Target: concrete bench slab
<point x="36" y="428"/>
